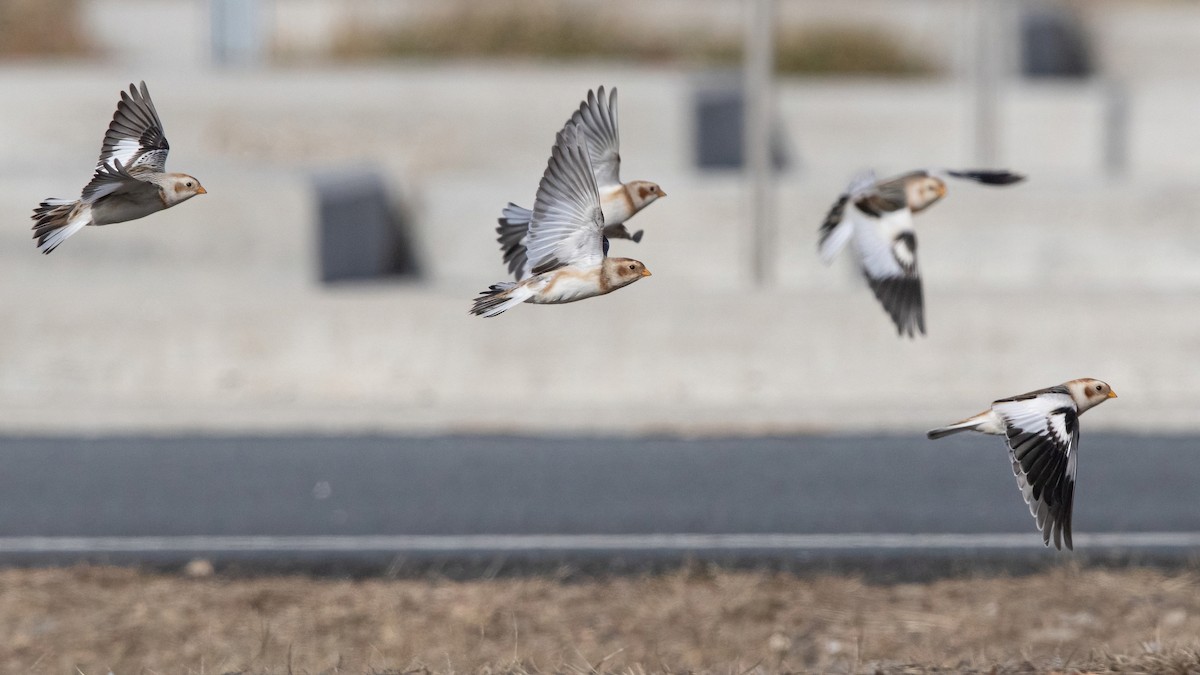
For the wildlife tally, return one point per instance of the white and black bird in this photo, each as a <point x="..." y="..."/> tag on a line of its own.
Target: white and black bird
<point x="877" y="215"/>
<point x="130" y="180"/>
<point x="566" y="246"/>
<point x="596" y="120"/>
<point x="1041" y="429"/>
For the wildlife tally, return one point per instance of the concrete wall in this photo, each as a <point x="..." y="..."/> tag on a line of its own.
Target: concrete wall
<point x="209" y="317"/>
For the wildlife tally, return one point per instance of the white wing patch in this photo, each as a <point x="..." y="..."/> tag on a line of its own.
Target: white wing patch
<point x="1043" y="436"/>
<point x="886" y="249"/>
<point x="1033" y="414"/>
<point x="876" y="242"/>
<point x="135" y="137"/>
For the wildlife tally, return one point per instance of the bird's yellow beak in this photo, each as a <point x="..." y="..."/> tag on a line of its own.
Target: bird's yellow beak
<point x="1112" y="394"/>
<point x="201" y="191"/>
<point x="646" y="272"/>
<point x="662" y="192"/>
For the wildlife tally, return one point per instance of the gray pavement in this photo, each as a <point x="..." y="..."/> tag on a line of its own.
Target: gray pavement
<point x="282" y="498"/>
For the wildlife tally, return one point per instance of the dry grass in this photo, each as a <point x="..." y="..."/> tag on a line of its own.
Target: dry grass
<point x="41" y="28"/>
<point x="561" y="32"/>
<point x="96" y="619"/>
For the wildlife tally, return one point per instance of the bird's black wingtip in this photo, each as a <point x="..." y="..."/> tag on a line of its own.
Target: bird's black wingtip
<point x="989" y="177"/>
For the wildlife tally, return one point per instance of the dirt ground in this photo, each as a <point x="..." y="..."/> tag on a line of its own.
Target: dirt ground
<point x="93" y="620"/>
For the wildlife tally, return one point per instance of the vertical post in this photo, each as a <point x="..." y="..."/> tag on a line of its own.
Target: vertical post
<point x="237" y="32"/>
<point x="758" y="58"/>
<point x="1116" y="128"/>
<point x="984" y="66"/>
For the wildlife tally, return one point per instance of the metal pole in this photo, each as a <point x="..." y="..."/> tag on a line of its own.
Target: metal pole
<point x="984" y="68"/>
<point x="237" y="32"/>
<point x="1116" y="128"/>
<point x="758" y="62"/>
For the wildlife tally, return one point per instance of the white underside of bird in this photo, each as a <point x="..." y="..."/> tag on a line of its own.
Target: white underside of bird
<point x="557" y="287"/>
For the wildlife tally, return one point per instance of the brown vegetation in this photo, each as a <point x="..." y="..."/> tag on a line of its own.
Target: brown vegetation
<point x="96" y="619"/>
<point x="561" y="32"/>
<point x="41" y="28"/>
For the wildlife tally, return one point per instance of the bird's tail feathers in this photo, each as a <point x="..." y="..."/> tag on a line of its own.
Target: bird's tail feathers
<point x="500" y="298"/>
<point x="514" y="225"/>
<point x="57" y="219"/>
<point x="970" y="424"/>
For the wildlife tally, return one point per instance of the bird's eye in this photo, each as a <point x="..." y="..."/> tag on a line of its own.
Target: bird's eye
<point x="1099" y="387"/>
<point x="189" y="183"/>
<point x="632" y="266"/>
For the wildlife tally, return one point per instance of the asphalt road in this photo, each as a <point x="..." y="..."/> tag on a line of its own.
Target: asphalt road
<point x="177" y="498"/>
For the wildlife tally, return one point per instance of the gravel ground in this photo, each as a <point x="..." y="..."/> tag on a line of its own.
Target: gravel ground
<point x="1066" y="619"/>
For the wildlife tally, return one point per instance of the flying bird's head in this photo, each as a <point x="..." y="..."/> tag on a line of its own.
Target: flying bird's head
<point x="643" y="193"/>
<point x="620" y="272"/>
<point x="180" y="187"/>
<point x="1089" y="393"/>
<point x="922" y="192"/>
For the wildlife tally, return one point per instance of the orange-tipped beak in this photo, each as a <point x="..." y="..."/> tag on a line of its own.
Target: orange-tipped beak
<point x="201" y="191"/>
<point x="662" y="192"/>
<point x="646" y="272"/>
<point x="1112" y="394"/>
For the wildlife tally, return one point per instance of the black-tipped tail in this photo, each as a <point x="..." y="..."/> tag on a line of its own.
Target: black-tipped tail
<point x="53" y="221"/>
<point x="934" y="434"/>
<point x="495" y="300"/>
<point x="969" y="424"/>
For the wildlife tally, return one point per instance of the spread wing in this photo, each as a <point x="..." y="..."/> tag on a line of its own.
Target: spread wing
<point x="887" y="253"/>
<point x="1042" y="430"/>
<point x="133" y="145"/>
<point x="567" y="224"/>
<point x="135" y="137"/>
<point x="513" y="226"/>
<point x="111" y="179"/>
<point x="597" y="120"/>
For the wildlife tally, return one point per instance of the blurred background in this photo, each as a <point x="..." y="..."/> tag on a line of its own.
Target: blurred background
<point x="357" y="154"/>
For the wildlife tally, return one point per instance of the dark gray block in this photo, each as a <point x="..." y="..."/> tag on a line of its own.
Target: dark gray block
<point x="719" y="113"/>
<point x="1053" y="44"/>
<point x="361" y="235"/>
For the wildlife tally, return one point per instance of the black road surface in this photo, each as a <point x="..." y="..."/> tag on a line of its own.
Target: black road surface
<point x="156" y="499"/>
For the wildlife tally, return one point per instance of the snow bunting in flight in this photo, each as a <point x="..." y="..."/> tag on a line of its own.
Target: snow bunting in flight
<point x="597" y="120"/>
<point x="565" y="243"/>
<point x="1041" y="429"/>
<point x="877" y="216"/>
<point x="130" y="180"/>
